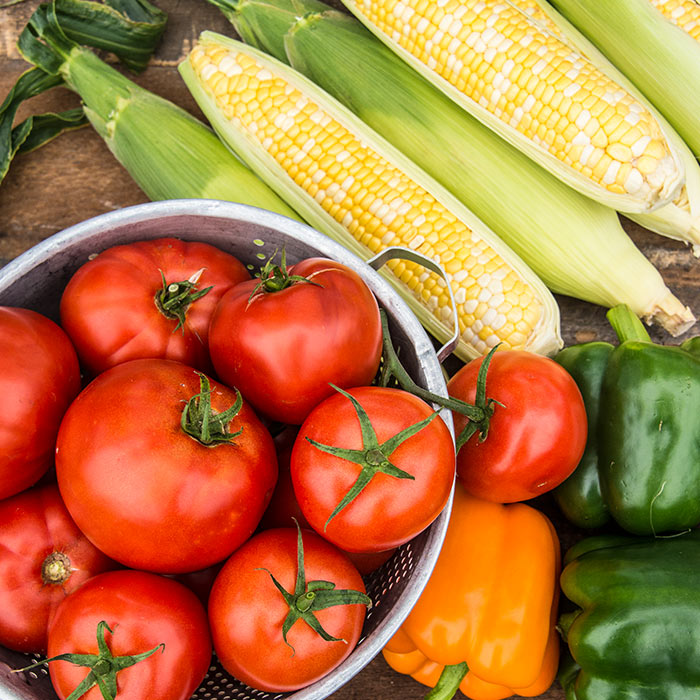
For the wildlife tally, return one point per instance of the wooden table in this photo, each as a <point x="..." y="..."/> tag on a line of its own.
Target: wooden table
<point x="76" y="177"/>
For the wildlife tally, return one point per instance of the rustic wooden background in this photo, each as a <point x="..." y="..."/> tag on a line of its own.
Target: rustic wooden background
<point x="76" y="177"/>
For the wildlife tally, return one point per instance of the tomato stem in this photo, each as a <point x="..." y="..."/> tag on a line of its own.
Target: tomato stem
<point x="174" y="298"/>
<point x="275" y="278"/>
<point x="200" y="421"/>
<point x="103" y="666"/>
<point x="373" y="457"/>
<point x="313" y="596"/>
<point x="479" y="413"/>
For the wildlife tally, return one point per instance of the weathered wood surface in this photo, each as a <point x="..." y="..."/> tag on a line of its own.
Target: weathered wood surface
<point x="76" y="177"/>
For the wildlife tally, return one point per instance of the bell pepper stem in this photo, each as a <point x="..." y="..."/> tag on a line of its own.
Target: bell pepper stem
<point x="626" y="324"/>
<point x="449" y="681"/>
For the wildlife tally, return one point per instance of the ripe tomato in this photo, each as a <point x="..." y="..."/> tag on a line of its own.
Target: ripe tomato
<point x="535" y="440"/>
<point x="112" y="307"/>
<point x="283" y="508"/>
<point x="389" y="510"/>
<point x="282" y="348"/>
<point x="247" y="611"/>
<point x="45" y="557"/>
<point x="143" y="611"/>
<point x="146" y="492"/>
<point x="40" y="377"/>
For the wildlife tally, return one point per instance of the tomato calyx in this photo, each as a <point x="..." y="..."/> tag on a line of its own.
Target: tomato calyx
<point x="373" y="457"/>
<point x="479" y="413"/>
<point x="174" y="298"/>
<point x="56" y="569"/>
<point x="274" y="278"/>
<point x="313" y="596"/>
<point x="200" y="422"/>
<point x="103" y="666"/>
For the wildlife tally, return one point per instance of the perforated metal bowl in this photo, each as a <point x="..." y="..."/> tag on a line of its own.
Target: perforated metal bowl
<point x="36" y="279"/>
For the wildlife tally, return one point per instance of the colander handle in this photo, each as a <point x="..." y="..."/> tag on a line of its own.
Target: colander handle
<point x="402" y="253"/>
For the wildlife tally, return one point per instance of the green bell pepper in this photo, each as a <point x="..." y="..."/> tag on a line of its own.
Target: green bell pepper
<point x="636" y="632"/>
<point x="641" y="466"/>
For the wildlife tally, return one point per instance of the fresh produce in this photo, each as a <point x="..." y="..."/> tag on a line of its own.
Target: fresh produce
<point x="538" y="94"/>
<point x="157" y="487"/>
<point x="44" y="558"/>
<point x="634" y="632"/>
<point x="680" y="218"/>
<point x="485" y="620"/>
<point x="574" y="244"/>
<point x="169" y="153"/>
<point x="147" y="299"/>
<point x="642" y="468"/>
<point x="39" y="378"/>
<point x="286" y="609"/>
<point x="644" y="40"/>
<point x="284" y="338"/>
<point x="356" y="188"/>
<point x="372" y="468"/>
<point x="284" y="509"/>
<point x="537" y="428"/>
<point x="138" y="634"/>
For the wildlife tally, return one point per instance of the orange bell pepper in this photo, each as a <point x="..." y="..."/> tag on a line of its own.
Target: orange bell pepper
<point x="485" y="622"/>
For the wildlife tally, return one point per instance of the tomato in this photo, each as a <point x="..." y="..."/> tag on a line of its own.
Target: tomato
<point x="146" y="492"/>
<point x="281" y="348"/>
<point x="283" y="508"/>
<point x="535" y="439"/>
<point x="389" y="510"/>
<point x="247" y="611"/>
<point x="143" y="611"/>
<point x="112" y="308"/>
<point x="39" y="378"/>
<point x="45" y="557"/>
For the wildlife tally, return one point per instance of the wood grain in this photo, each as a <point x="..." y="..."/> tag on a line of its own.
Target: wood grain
<point x="75" y="177"/>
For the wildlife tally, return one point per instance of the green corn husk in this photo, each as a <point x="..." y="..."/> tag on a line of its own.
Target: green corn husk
<point x="574" y="244"/>
<point x="626" y="202"/>
<point x="169" y="153"/>
<point x="662" y="60"/>
<point x="679" y="219"/>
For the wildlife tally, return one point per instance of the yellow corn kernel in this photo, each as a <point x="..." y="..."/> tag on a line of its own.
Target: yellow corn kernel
<point x="685" y="14"/>
<point x="517" y="48"/>
<point x="381" y="205"/>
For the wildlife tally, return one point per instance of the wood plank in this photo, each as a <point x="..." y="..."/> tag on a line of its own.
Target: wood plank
<point x="75" y="177"/>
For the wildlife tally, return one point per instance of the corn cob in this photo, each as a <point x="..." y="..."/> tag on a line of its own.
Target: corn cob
<point x="679" y="219"/>
<point x="350" y="184"/>
<point x="660" y="58"/>
<point x="685" y="14"/>
<point x="574" y="244"/>
<point x="535" y="92"/>
<point x="169" y="153"/>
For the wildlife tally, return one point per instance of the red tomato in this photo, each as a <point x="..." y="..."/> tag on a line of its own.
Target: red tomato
<point x="535" y="440"/>
<point x="110" y="307"/>
<point x="143" y="490"/>
<point x="247" y="612"/>
<point x="389" y="510"/>
<point x="282" y="348"/>
<point x="142" y="610"/>
<point x="283" y="508"/>
<point x="40" y="377"/>
<point x="45" y="557"/>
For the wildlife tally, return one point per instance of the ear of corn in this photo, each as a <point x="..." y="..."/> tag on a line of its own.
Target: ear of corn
<point x="684" y="14"/>
<point x="575" y="245"/>
<point x="679" y="219"/>
<point x="169" y="153"/>
<point x="352" y="185"/>
<point x="658" y="56"/>
<point x="536" y="92"/>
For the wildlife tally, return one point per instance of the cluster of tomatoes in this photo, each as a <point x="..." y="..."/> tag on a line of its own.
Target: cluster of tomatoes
<point x="226" y="430"/>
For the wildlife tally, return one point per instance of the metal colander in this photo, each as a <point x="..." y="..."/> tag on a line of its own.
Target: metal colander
<point x="36" y="279"/>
